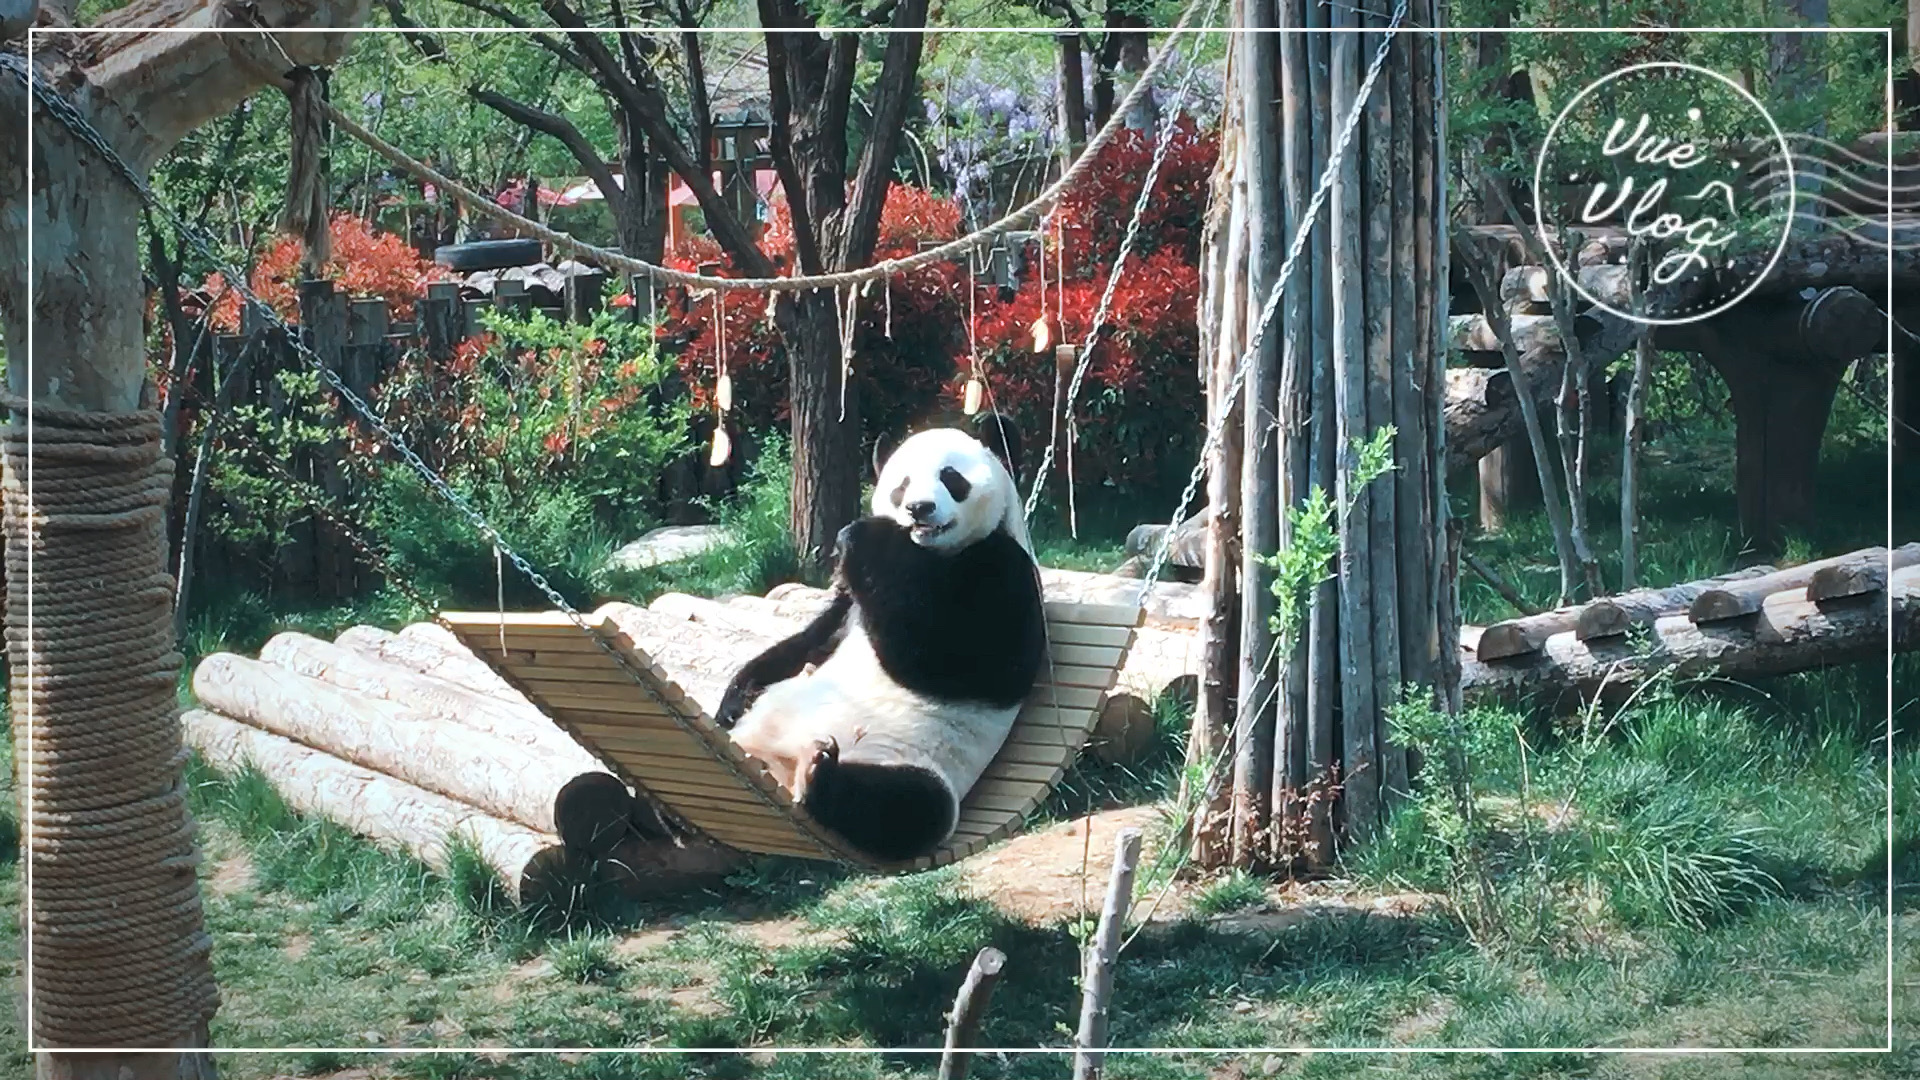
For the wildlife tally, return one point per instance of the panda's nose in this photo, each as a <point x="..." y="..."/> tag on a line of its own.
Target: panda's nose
<point x="921" y="509"/>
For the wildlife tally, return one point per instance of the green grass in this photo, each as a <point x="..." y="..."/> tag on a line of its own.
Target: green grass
<point x="1716" y="878"/>
<point x="323" y="940"/>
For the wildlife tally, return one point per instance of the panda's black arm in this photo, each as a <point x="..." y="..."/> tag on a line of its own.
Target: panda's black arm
<point x="785" y="659"/>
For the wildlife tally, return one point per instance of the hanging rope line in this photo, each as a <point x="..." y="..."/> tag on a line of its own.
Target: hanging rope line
<point x="1217" y="425"/>
<point x="616" y="262"/>
<point x="1163" y="142"/>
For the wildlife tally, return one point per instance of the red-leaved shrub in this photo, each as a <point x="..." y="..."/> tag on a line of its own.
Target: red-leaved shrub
<point x="365" y="263"/>
<point x="1136" y="410"/>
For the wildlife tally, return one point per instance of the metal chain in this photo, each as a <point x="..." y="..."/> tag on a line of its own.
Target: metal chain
<point x="1301" y="231"/>
<point x="1163" y="142"/>
<point x="1294" y="249"/>
<point x="77" y="124"/>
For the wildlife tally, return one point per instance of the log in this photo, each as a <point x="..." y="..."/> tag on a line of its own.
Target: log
<point x="536" y="788"/>
<point x="1169" y="605"/>
<point x="1606" y="282"/>
<point x="742" y="614"/>
<point x="1859" y="577"/>
<point x="1097" y="978"/>
<point x="426" y="695"/>
<point x="1611" y="616"/>
<point x="430" y="650"/>
<point x="1744" y="598"/>
<point x="701" y="651"/>
<point x="1788" y="633"/>
<point x="969" y="1007"/>
<point x="1604" y="617"/>
<point x="532" y="865"/>
<point x="1124" y="730"/>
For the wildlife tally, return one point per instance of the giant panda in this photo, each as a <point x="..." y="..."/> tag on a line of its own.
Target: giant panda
<point x="932" y="639"/>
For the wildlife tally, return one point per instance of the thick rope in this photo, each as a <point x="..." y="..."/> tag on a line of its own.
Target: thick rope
<point x="120" y="953"/>
<point x="615" y="262"/>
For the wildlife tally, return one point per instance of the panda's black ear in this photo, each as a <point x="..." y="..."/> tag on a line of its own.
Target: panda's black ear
<point x="883" y="448"/>
<point x="999" y="434"/>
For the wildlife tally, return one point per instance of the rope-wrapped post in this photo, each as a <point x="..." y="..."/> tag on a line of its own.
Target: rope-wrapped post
<point x="120" y="955"/>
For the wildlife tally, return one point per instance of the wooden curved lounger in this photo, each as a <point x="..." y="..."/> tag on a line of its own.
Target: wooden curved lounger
<point x="609" y="694"/>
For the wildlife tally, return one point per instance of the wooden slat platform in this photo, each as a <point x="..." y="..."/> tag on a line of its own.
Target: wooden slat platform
<point x="618" y="703"/>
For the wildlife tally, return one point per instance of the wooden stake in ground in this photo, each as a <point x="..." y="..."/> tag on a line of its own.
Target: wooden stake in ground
<point x="1096" y="993"/>
<point x="969" y="1007"/>
<point x="1643" y="355"/>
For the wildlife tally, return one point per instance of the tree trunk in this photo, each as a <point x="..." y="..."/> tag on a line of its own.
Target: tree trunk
<point x="1224" y="307"/>
<point x="643" y="178"/>
<point x="1073" y="93"/>
<point x="1361" y="353"/>
<point x="810" y="81"/>
<point x="142" y="977"/>
<point x="1260" y="467"/>
<point x="826" y="443"/>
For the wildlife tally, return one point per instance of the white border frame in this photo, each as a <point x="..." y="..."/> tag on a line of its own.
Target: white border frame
<point x="26" y="919"/>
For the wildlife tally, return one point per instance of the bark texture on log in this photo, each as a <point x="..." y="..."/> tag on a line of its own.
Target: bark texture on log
<point x="431" y="650"/>
<point x="1789" y="633"/>
<point x="374" y="805"/>
<point x="1613" y="615"/>
<point x="1737" y="599"/>
<point x="503" y="778"/>
<point x="425" y="695"/>
<point x="1604" y="617"/>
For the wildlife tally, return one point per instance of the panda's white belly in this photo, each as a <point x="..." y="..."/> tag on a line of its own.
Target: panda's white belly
<point x="851" y="699"/>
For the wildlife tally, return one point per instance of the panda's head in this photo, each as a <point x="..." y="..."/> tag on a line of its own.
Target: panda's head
<point x="948" y="491"/>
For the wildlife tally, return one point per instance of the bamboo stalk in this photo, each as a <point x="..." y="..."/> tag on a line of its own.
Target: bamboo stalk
<point x="1292" y="718"/>
<point x="969" y="1007"/>
<point x="1358" y="688"/>
<point x="1259" y="467"/>
<point x="1096" y="1001"/>
<point x="1323" y="654"/>
<point x="1219" y="672"/>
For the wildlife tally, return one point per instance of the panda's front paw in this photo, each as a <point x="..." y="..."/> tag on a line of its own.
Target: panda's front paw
<point x="734" y="705"/>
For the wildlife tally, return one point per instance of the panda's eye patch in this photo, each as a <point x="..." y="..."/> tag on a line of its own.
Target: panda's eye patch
<point x="957" y="485"/>
<point x="899" y="492"/>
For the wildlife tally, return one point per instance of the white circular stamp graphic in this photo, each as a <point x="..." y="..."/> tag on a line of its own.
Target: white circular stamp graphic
<point x="1668" y="152"/>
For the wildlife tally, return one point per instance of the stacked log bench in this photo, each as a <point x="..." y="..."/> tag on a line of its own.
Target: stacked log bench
<point x="407" y="738"/>
<point x="411" y="740"/>
<point x="1751" y="624"/>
